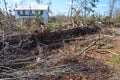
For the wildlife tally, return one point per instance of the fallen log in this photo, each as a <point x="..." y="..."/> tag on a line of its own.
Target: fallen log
<point x="47" y="37"/>
<point x="57" y="36"/>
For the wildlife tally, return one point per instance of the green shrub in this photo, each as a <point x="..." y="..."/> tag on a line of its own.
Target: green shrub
<point x="37" y="19"/>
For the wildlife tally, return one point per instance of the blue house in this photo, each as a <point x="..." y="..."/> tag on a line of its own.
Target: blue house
<point x="29" y="11"/>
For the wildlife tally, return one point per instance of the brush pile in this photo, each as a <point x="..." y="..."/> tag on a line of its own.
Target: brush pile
<point x="52" y="55"/>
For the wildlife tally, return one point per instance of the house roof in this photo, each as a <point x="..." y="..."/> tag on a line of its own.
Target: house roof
<point x="33" y="7"/>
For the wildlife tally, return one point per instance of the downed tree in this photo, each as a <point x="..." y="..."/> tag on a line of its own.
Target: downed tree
<point x="58" y="36"/>
<point x="56" y="64"/>
<point x="27" y="41"/>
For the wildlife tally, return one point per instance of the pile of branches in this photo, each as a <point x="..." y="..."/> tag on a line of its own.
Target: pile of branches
<point x="46" y="37"/>
<point x="35" y="56"/>
<point x="80" y="69"/>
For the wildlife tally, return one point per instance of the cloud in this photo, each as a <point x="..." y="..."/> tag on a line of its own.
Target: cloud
<point x="102" y="5"/>
<point x="70" y="3"/>
<point x="16" y="0"/>
<point x="33" y="3"/>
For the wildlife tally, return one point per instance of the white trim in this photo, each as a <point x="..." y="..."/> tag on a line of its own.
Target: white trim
<point x="32" y="7"/>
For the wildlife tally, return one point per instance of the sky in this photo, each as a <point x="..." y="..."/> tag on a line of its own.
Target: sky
<point x="59" y="6"/>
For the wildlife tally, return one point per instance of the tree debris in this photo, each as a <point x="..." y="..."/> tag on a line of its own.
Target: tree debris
<point x="44" y="56"/>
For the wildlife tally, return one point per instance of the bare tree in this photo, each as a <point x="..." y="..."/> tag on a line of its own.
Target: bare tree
<point x="82" y="8"/>
<point x="85" y="7"/>
<point x="49" y="4"/>
<point x="112" y="5"/>
<point x="5" y="3"/>
<point x="71" y="7"/>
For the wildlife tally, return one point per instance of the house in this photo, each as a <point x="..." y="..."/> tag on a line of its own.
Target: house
<point x="29" y="11"/>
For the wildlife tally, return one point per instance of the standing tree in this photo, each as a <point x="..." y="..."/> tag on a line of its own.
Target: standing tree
<point x="5" y="3"/>
<point x="112" y="5"/>
<point x="116" y="15"/>
<point x="49" y="9"/>
<point x="71" y="7"/>
<point x="88" y="6"/>
<point x="83" y="7"/>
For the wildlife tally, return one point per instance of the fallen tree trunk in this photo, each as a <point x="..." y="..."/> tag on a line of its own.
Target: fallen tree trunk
<point x="47" y="37"/>
<point x="58" y="36"/>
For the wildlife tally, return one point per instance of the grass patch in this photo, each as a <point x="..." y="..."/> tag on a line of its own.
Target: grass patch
<point x="0" y="29"/>
<point x="52" y="26"/>
<point x="115" y="60"/>
<point x="110" y="46"/>
<point x="104" y="45"/>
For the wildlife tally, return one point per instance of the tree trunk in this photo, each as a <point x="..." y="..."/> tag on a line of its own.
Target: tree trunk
<point x="112" y="3"/>
<point x="71" y="7"/>
<point x="47" y="37"/>
<point x="85" y="3"/>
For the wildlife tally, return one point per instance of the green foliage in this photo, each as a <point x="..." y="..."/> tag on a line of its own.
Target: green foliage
<point x="77" y="18"/>
<point x="104" y="45"/>
<point x="106" y="20"/>
<point x="1" y="15"/>
<point x="0" y="29"/>
<point x="19" y="24"/>
<point x="115" y="60"/>
<point x="93" y="18"/>
<point x="7" y="22"/>
<point x="52" y="26"/>
<point x="37" y="19"/>
<point x="118" y="19"/>
<point x="30" y="23"/>
<point x="89" y="5"/>
<point x="117" y="15"/>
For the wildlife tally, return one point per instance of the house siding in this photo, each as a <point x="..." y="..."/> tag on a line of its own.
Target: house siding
<point x="25" y="12"/>
<point x="45" y="16"/>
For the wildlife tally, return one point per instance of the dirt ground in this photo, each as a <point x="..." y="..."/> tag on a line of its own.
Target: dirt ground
<point x="116" y="50"/>
<point x="116" y="40"/>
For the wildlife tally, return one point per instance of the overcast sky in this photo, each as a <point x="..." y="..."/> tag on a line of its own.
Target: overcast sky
<point x="58" y="6"/>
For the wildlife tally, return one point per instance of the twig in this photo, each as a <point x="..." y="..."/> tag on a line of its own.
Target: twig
<point x="7" y="68"/>
<point x="89" y="46"/>
<point x="60" y="40"/>
<point x="112" y="52"/>
<point x="17" y="61"/>
<point x="3" y="75"/>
